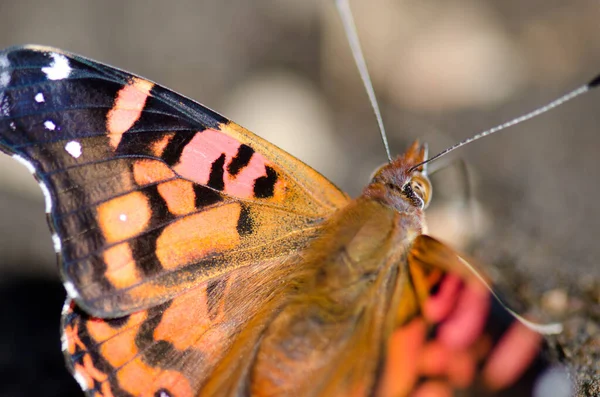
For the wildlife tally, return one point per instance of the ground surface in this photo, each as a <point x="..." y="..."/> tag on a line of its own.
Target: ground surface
<point x="442" y="70"/>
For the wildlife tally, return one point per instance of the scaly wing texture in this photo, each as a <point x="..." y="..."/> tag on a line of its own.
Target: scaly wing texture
<point x="176" y="229"/>
<point x="454" y="337"/>
<point x="148" y="193"/>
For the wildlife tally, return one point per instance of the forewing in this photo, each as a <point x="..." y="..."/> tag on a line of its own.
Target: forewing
<point x="148" y="193"/>
<point x="454" y="337"/>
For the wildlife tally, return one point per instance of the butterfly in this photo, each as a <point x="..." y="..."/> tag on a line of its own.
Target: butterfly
<point x="200" y="259"/>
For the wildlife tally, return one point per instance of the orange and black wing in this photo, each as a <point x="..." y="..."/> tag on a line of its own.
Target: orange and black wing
<point x="159" y="209"/>
<point x="147" y="191"/>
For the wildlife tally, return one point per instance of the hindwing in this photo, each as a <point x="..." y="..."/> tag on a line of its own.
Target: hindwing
<point x="454" y="336"/>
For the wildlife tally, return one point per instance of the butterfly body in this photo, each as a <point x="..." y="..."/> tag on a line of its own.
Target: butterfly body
<point x="201" y="260"/>
<point x="345" y="306"/>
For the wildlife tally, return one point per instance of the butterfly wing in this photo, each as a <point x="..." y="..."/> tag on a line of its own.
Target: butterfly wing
<point x="148" y="193"/>
<point x="454" y="336"/>
<point x="160" y="208"/>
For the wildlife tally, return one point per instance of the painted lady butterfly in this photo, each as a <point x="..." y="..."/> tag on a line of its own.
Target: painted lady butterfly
<point x="201" y="260"/>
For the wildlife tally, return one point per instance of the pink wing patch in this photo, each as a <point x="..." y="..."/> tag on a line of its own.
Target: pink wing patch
<point x="466" y="321"/>
<point x="515" y="352"/>
<point x="127" y="109"/>
<point x="206" y="148"/>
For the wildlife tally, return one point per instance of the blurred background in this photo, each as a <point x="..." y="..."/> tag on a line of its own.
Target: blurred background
<point x="443" y="70"/>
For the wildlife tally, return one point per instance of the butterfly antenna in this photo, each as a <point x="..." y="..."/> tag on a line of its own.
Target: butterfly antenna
<point x="348" y="21"/>
<point x="543" y="109"/>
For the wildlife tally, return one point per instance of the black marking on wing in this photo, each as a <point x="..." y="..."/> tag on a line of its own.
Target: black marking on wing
<point x="217" y="173"/>
<point x="78" y="319"/>
<point x="144" y="249"/>
<point x="172" y="152"/>
<point x="118" y="322"/>
<point x="144" y="339"/>
<point x="264" y="187"/>
<point x="205" y="196"/>
<point x="245" y="224"/>
<point x="241" y="160"/>
<point x="200" y="115"/>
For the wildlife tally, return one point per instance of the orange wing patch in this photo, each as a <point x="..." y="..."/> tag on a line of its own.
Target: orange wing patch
<point x="159" y="146"/>
<point x="124" y="217"/>
<point x="146" y="172"/>
<point x="197" y="236"/>
<point x="121" y="269"/>
<point x="179" y="196"/>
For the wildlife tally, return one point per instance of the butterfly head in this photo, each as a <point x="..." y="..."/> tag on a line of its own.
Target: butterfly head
<point x="401" y="185"/>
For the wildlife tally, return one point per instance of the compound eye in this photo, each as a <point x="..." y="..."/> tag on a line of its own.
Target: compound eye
<point x="422" y="187"/>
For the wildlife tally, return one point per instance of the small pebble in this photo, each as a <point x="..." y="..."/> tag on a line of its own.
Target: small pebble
<point x="556" y="300"/>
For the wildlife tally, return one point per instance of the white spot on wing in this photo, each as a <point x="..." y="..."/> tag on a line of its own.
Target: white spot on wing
<point x="71" y="291"/>
<point x="26" y="163"/>
<point x="59" y="68"/>
<point x="73" y="148"/>
<point x="47" y="197"/>
<point x="64" y="343"/>
<point x="39" y="97"/>
<point x="4" y="74"/>
<point x="4" y="106"/>
<point x="49" y="124"/>
<point x="4" y="79"/>
<point x="81" y="380"/>
<point x="56" y="242"/>
<point x="67" y="306"/>
<point x="13" y="126"/>
<point x="123" y="217"/>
